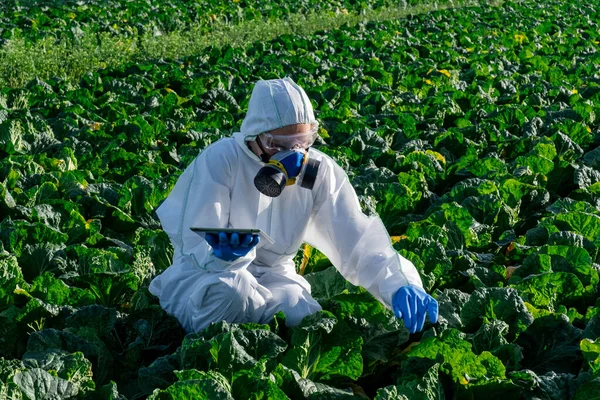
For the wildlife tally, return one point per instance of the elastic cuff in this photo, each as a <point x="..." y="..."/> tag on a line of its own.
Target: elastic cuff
<point x="390" y="285"/>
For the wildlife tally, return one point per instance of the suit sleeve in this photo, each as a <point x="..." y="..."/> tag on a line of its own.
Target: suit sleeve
<point x="357" y="245"/>
<point x="202" y="198"/>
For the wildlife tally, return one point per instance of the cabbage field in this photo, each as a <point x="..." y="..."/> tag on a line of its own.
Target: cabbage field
<point x="472" y="132"/>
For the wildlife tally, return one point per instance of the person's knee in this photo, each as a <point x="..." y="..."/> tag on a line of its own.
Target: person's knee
<point x="232" y="288"/>
<point x="296" y="303"/>
<point x="232" y="296"/>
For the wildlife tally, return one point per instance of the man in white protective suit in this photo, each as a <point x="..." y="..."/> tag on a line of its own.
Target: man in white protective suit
<point x="267" y="176"/>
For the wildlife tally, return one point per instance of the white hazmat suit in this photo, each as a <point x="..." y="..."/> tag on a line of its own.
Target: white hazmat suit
<point x="217" y="190"/>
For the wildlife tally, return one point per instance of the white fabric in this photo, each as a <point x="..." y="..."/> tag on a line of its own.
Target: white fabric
<point x="217" y="190"/>
<point x="276" y="103"/>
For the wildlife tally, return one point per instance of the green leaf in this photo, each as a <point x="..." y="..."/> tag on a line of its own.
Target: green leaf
<point x="74" y="367"/>
<point x="229" y="348"/>
<point x="488" y="167"/>
<point x="161" y="249"/>
<point x="109" y="289"/>
<point x="426" y="388"/>
<point x="255" y="384"/>
<point x="38" y="384"/>
<point x="456" y="357"/>
<point x="197" y="385"/>
<point x="327" y="284"/>
<point x="587" y="225"/>
<point x="291" y="383"/>
<point x="569" y="259"/>
<point x="323" y="348"/>
<point x="10" y="278"/>
<point x="588" y="390"/>
<point x="261" y="343"/>
<point x="54" y="291"/>
<point x="160" y="374"/>
<point x="576" y="131"/>
<point x="549" y="290"/>
<point x="325" y="392"/>
<point x="312" y="260"/>
<point x="83" y="341"/>
<point x="15" y="235"/>
<point x="592" y="329"/>
<point x="41" y="258"/>
<point x="106" y="392"/>
<point x="97" y="318"/>
<point x="489" y="337"/>
<point x="513" y="191"/>
<point x="592" y="158"/>
<point x="591" y="353"/>
<point x="486" y="305"/>
<point x="551" y="343"/>
<point x="382" y="333"/>
<point x="450" y="303"/>
<point x="551" y="386"/>
<point x="8" y="369"/>
<point x="192" y="389"/>
<point x="11" y="137"/>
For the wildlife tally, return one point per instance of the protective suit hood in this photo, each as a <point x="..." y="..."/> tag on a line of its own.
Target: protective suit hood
<point x="274" y="103"/>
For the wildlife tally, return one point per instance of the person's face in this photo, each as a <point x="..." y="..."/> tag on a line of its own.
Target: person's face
<point x="298" y="135"/>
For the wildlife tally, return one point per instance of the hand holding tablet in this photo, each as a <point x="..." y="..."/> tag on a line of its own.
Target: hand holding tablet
<point x="241" y="231"/>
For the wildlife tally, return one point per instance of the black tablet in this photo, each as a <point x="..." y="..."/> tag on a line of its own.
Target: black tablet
<point x="254" y="231"/>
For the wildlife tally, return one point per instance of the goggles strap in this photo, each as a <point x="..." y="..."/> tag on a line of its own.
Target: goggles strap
<point x="264" y="156"/>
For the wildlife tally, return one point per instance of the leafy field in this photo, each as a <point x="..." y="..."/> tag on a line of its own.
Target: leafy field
<point x="472" y="132"/>
<point x="67" y="38"/>
<point x="34" y="20"/>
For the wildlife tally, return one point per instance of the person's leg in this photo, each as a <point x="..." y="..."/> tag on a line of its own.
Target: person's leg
<point x="291" y="294"/>
<point x="197" y="298"/>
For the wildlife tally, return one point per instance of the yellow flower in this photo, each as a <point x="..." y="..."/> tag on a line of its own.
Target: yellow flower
<point x="396" y="239"/>
<point x="444" y="72"/>
<point x="95" y="126"/>
<point x="519" y="38"/>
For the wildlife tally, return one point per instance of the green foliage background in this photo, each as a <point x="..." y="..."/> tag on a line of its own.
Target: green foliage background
<point x="471" y="132"/>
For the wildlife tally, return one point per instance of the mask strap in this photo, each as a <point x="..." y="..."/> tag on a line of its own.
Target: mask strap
<point x="263" y="156"/>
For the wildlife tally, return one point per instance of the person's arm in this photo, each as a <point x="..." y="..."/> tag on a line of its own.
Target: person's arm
<point x="201" y="197"/>
<point x="357" y="245"/>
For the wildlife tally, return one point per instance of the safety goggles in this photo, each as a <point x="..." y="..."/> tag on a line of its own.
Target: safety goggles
<point x="287" y="142"/>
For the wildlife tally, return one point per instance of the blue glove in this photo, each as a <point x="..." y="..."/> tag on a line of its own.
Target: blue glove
<point x="230" y="249"/>
<point x="411" y="303"/>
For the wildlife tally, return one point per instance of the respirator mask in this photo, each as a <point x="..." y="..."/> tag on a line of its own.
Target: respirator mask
<point x="289" y="165"/>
